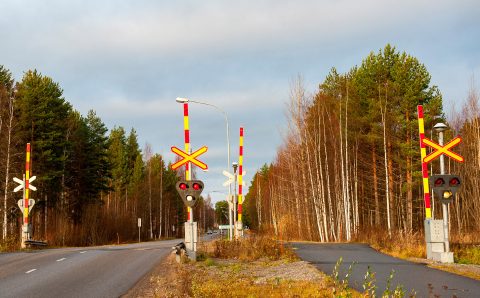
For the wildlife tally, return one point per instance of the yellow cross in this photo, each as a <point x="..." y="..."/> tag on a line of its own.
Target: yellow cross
<point x="442" y="150"/>
<point x="189" y="158"/>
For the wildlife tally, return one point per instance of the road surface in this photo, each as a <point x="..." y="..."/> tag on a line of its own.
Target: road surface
<point x="104" y="271"/>
<point x="411" y="276"/>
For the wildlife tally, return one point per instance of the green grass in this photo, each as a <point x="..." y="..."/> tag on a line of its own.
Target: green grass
<point x="468" y="255"/>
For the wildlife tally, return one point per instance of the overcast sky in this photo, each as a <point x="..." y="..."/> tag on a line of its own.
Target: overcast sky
<point x="129" y="60"/>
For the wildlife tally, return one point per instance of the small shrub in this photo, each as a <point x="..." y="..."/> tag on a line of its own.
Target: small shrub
<point x="210" y="262"/>
<point x="369" y="286"/>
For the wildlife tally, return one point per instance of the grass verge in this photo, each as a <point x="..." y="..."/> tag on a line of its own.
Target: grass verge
<point x="411" y="246"/>
<point x="252" y="267"/>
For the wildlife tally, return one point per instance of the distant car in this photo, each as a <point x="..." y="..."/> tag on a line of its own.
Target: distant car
<point x="209" y="232"/>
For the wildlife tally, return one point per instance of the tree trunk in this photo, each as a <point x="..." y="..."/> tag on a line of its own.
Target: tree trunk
<point x="375" y="186"/>
<point x="7" y="169"/>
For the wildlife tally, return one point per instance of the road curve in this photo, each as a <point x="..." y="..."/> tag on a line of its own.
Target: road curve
<point x="411" y="276"/>
<point x="104" y="271"/>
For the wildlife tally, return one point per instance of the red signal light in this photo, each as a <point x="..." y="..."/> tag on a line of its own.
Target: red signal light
<point x="183" y="186"/>
<point x="439" y="182"/>
<point x="454" y="182"/>
<point x="197" y="186"/>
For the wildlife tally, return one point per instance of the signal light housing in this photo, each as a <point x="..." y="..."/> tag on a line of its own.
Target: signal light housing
<point x="189" y="191"/>
<point x="445" y="186"/>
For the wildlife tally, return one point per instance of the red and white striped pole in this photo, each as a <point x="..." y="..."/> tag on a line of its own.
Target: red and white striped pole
<point x="188" y="176"/>
<point x="423" y="153"/>
<point x="240" y="179"/>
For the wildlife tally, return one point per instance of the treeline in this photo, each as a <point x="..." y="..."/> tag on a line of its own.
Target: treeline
<point x="92" y="184"/>
<point x="350" y="161"/>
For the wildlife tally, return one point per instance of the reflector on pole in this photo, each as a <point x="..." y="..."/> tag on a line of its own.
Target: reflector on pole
<point x="423" y="153"/>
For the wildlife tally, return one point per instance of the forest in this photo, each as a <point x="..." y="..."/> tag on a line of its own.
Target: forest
<point x="92" y="183"/>
<point x="350" y="159"/>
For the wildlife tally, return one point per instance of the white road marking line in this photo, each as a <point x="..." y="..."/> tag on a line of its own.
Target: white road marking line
<point x="30" y="271"/>
<point x="82" y="252"/>
<point x="59" y="260"/>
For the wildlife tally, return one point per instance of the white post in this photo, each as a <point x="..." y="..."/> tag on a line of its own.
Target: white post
<point x="444" y="204"/>
<point x="24" y="231"/>
<point x="139" y="226"/>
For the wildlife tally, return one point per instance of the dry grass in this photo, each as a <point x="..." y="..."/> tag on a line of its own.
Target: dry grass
<point x="247" y="288"/>
<point x="401" y="245"/>
<point x="459" y="269"/>
<point x="11" y="243"/>
<point x="262" y="278"/>
<point x="252" y="248"/>
<point x="466" y="248"/>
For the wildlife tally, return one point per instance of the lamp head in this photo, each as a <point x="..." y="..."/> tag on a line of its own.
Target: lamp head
<point x="182" y="100"/>
<point x="440" y="127"/>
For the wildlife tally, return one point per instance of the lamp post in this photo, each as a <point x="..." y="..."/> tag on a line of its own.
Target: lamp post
<point x="440" y="128"/>
<point x="186" y="100"/>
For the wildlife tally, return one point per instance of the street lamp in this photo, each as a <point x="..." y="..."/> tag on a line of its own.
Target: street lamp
<point x="187" y="100"/>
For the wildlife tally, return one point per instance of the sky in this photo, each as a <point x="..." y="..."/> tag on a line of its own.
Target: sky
<point x="130" y="60"/>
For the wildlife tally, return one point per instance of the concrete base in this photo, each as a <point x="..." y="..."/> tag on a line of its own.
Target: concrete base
<point x="434" y="247"/>
<point x="443" y="257"/>
<point x="192" y="255"/>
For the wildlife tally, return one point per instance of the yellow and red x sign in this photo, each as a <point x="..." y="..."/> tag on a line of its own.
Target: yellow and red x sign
<point x="189" y="158"/>
<point x="442" y="150"/>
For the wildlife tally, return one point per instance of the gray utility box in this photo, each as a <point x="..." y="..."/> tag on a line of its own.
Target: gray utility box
<point x="434" y="230"/>
<point x="435" y="238"/>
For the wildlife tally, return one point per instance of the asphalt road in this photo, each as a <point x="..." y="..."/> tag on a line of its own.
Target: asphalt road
<point x="104" y="271"/>
<point x="411" y="276"/>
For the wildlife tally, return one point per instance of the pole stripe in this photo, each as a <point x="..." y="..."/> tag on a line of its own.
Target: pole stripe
<point x="423" y="153"/>
<point x="240" y="176"/>
<point x="187" y="150"/>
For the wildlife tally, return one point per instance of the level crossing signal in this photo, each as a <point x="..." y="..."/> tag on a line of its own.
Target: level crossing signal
<point x="189" y="191"/>
<point x="192" y="158"/>
<point x="445" y="186"/>
<point x="439" y="150"/>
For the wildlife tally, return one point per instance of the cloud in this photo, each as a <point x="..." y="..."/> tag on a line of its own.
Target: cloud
<point x="114" y="30"/>
<point x="129" y="60"/>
